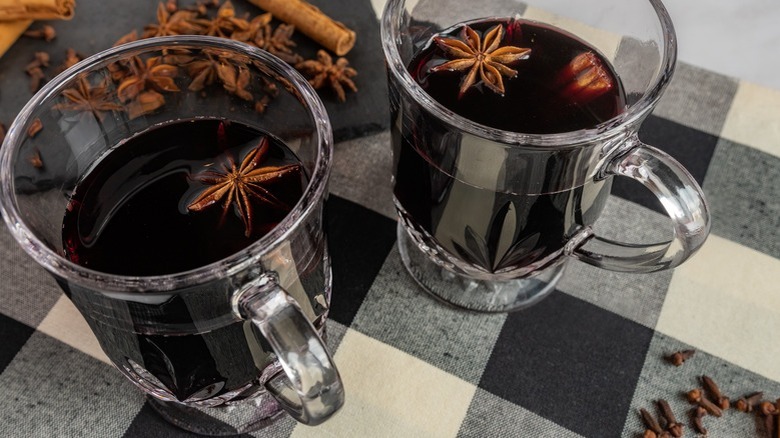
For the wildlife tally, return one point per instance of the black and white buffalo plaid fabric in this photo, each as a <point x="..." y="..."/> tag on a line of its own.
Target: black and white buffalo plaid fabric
<point x="579" y="364"/>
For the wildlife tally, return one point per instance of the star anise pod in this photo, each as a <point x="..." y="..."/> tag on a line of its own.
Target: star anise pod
<point x="127" y="38"/>
<point x="235" y="79"/>
<point x="324" y="71"/>
<point x="203" y="72"/>
<point x="254" y="32"/>
<point x="240" y="185"/>
<point x="280" y="43"/>
<point x="223" y="24"/>
<point x="72" y="58"/>
<point x="84" y="97"/>
<point x="169" y="24"/>
<point x="481" y="57"/>
<point x="144" y="75"/>
<point x="146" y="102"/>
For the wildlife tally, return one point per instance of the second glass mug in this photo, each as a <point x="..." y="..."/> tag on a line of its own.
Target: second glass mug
<point x="469" y="196"/>
<point x="222" y="348"/>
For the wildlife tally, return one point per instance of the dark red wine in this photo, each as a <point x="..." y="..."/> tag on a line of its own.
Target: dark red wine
<point x="130" y="214"/>
<point x="562" y="85"/>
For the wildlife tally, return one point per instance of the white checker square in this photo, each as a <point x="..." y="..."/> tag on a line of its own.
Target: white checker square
<point x="754" y="118"/>
<point x="65" y="323"/>
<point x="709" y="292"/>
<point x="390" y="393"/>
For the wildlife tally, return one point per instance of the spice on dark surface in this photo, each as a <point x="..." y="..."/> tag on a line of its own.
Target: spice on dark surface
<point x="324" y="71"/>
<point x="84" y="97"/>
<point x="35" y="127"/>
<point x="45" y="32"/>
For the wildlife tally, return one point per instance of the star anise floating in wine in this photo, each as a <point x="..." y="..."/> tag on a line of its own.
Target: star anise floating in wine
<point x="240" y="185"/>
<point x="484" y="58"/>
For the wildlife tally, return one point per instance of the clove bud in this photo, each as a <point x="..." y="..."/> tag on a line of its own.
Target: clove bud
<point x="46" y="33"/>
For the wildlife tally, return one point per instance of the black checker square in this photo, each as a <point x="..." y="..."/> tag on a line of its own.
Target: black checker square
<point x="691" y="147"/>
<point x="14" y="335"/>
<point x="148" y="423"/>
<point x="359" y="241"/>
<point x="564" y="359"/>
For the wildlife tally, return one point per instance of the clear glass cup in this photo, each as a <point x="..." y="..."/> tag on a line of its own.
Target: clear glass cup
<point x="223" y="348"/>
<point x="465" y="230"/>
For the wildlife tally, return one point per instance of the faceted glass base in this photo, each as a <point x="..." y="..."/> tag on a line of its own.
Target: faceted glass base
<point x="473" y="294"/>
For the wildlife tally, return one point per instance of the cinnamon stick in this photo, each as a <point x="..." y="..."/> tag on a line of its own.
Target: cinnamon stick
<point x="12" y="10"/>
<point x="312" y="22"/>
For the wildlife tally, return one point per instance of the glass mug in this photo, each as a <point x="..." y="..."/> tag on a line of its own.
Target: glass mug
<point x="488" y="217"/>
<point x="236" y="340"/>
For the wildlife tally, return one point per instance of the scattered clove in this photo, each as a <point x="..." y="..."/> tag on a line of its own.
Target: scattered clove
<point x="679" y="357"/>
<point x="672" y="425"/>
<point x="712" y="388"/>
<point x="40" y="59"/>
<point x="698" y="425"/>
<point x="767" y="408"/>
<point x="749" y="403"/>
<point x="694" y="395"/>
<point x="35" y="159"/>
<point x="46" y="33"/>
<point x="34" y="128"/>
<point x="650" y="422"/>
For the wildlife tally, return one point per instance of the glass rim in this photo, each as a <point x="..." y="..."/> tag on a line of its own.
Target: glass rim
<point x="236" y="262"/>
<point x="392" y="14"/>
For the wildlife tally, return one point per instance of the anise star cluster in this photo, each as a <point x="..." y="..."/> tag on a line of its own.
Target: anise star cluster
<point x="140" y="85"/>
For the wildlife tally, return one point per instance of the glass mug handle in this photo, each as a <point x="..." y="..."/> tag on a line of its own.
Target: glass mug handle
<point x="310" y="388"/>
<point x="681" y="197"/>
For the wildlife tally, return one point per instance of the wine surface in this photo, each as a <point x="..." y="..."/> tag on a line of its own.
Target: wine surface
<point x="129" y="215"/>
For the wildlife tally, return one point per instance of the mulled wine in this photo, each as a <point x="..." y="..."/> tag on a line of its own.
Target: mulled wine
<point x="461" y="195"/>
<point x="162" y="203"/>
<point x="558" y="84"/>
<point x="130" y="214"/>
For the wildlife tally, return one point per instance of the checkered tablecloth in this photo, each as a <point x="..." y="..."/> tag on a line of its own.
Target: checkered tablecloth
<point x="580" y="363"/>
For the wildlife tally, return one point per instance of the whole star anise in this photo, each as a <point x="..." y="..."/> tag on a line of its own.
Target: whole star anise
<point x="483" y="57"/>
<point x="240" y="185"/>
<point x="324" y="71"/>
<point x="169" y="24"/>
<point x="84" y="97"/>
<point x="223" y="24"/>
<point x="151" y="73"/>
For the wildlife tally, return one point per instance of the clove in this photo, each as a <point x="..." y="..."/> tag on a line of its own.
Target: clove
<point x="698" y="425"/>
<point x="650" y="422"/>
<point x="35" y="159"/>
<point x="749" y="403"/>
<point x="34" y="128"/>
<point x="712" y="388"/>
<point x="46" y="33"/>
<point x="679" y="357"/>
<point x="674" y="427"/>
